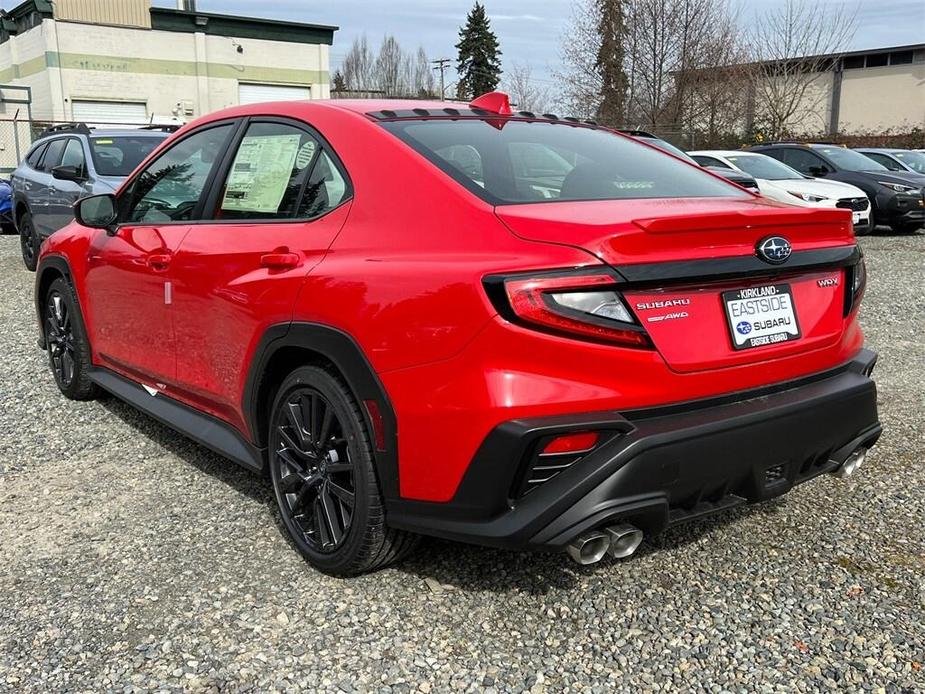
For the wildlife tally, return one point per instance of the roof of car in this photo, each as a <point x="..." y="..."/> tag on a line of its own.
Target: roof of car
<point x="882" y="150"/>
<point x="106" y="132"/>
<point x="724" y="153"/>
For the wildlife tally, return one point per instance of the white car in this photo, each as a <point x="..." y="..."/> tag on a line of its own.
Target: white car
<point x="778" y="181"/>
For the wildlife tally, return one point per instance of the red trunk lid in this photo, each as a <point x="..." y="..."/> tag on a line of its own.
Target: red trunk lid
<point x="688" y="320"/>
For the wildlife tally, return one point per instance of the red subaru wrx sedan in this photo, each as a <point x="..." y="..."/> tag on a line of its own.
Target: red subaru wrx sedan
<point x="491" y="326"/>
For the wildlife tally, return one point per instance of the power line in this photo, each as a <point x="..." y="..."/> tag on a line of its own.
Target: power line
<point x="442" y="64"/>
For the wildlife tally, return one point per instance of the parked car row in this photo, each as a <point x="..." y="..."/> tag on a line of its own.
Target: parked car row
<point x="780" y="182"/>
<point x="896" y="196"/>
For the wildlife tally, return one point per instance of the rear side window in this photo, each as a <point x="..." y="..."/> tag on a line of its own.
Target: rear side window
<point x="36" y="156"/>
<point x="280" y="172"/>
<point x="527" y="161"/>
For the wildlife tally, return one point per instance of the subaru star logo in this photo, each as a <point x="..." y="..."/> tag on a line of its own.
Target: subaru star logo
<point x="744" y="328"/>
<point x="774" y="249"/>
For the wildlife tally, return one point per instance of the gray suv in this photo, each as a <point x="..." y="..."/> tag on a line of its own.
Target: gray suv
<point x="67" y="163"/>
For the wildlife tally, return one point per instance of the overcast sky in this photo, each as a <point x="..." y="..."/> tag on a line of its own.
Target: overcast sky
<point x="529" y="30"/>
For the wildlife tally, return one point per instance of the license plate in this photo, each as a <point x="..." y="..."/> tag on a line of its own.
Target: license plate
<point x="761" y="316"/>
<point x="856" y="217"/>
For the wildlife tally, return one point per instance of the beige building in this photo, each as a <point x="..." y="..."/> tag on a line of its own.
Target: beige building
<point x="871" y="91"/>
<point x="102" y="61"/>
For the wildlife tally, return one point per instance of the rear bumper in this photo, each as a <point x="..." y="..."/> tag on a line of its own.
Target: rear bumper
<point x="657" y="467"/>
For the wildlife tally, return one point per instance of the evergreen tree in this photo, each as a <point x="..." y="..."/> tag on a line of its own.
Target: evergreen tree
<point x="338" y="83"/>
<point x="609" y="63"/>
<point x="479" y="61"/>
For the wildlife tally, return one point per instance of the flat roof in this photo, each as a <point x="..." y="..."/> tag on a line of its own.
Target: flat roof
<point x="167" y="19"/>
<point x="236" y="26"/>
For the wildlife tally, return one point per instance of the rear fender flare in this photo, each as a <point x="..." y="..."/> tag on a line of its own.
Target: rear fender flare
<point x="341" y="350"/>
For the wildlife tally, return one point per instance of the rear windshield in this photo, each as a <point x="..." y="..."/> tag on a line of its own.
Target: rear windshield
<point x="118" y="155"/>
<point x="526" y="161"/>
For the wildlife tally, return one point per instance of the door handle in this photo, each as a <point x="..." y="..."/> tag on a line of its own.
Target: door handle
<point x="158" y="261"/>
<point x="279" y="261"/>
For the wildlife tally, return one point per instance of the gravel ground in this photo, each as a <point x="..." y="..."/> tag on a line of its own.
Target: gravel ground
<point x="133" y="559"/>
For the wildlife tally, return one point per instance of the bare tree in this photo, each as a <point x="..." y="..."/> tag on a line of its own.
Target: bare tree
<point x="524" y="91"/>
<point x="578" y="74"/>
<point x="793" y="49"/>
<point x="665" y="43"/>
<point x="391" y="72"/>
<point x="390" y="65"/>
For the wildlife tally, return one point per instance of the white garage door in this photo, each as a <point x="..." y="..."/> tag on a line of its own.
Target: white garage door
<point x="109" y="112"/>
<point x="256" y="93"/>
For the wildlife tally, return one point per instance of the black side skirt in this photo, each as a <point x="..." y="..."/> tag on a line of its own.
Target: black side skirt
<point x="201" y="428"/>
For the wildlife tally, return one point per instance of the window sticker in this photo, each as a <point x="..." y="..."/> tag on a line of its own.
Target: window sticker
<point x="261" y="172"/>
<point x="306" y="152"/>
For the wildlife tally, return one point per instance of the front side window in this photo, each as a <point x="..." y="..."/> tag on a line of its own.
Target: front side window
<point x="710" y="161"/>
<point x="804" y="161"/>
<point x="169" y="188"/>
<point x="885" y="161"/>
<point x="74" y="156"/>
<point x="280" y="172"/>
<point x="914" y="160"/>
<point x="53" y="155"/>
<point x="529" y="161"/>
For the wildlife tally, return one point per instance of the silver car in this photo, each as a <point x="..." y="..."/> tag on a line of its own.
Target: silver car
<point x="67" y="163"/>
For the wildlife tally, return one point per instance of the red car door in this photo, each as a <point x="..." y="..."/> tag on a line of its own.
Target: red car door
<point x="277" y="210"/>
<point x="129" y="272"/>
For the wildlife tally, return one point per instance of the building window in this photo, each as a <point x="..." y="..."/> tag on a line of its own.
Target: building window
<point x="878" y="59"/>
<point x="853" y="62"/>
<point x="901" y="58"/>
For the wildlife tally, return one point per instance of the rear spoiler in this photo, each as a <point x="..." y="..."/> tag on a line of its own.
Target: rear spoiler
<point x="762" y="217"/>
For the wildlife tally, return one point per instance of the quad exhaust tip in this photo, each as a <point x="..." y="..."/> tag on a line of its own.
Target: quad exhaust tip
<point x="589" y="548"/>
<point x="620" y="541"/>
<point x="852" y="462"/>
<point x="624" y="540"/>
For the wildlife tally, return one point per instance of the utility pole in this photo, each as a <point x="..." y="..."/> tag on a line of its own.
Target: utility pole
<point x="442" y="64"/>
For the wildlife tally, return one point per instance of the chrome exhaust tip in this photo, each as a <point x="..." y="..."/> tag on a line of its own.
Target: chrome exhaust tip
<point x="624" y="540"/>
<point x="852" y="462"/>
<point x="589" y="548"/>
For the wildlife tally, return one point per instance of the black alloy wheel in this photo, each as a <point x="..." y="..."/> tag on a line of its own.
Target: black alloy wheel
<point x="29" y="242"/>
<point x="66" y="342"/>
<point x="59" y="336"/>
<point x="316" y="474"/>
<point x="323" y="471"/>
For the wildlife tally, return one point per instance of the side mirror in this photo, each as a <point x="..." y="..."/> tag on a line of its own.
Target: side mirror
<point x="97" y="212"/>
<point x="67" y="173"/>
<point x="818" y="171"/>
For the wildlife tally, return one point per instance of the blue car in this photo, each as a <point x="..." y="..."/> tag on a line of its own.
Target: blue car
<point x="6" y="208"/>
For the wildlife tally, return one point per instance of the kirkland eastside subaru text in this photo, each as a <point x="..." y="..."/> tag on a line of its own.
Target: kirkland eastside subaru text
<point x="430" y="318"/>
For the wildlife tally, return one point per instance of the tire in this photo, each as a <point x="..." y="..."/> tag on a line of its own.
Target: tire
<point x="321" y="461"/>
<point x="29" y="242"/>
<point x="66" y="342"/>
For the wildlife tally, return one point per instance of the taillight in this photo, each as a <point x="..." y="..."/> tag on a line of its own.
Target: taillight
<point x="855" y="284"/>
<point x="581" y="304"/>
